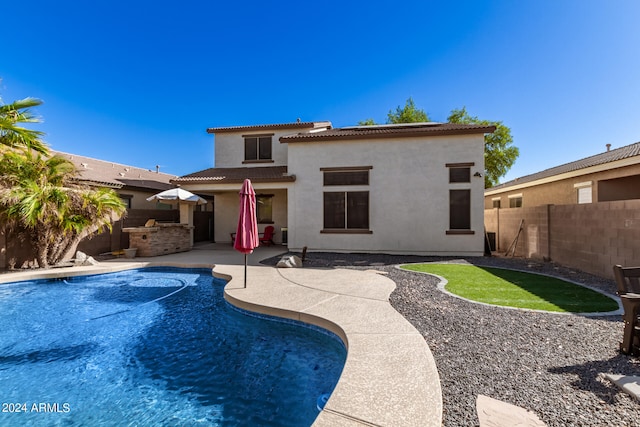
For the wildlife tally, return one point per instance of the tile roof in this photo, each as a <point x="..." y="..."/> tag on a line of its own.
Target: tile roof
<point x="387" y="131"/>
<point x="238" y="175"/>
<point x="115" y="175"/>
<point x="277" y="126"/>
<point x="621" y="153"/>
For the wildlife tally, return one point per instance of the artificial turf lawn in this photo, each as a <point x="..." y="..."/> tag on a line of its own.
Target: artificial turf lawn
<point x="517" y="289"/>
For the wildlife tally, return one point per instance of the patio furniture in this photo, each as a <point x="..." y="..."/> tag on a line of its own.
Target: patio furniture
<point x="266" y="238"/>
<point x="628" y="283"/>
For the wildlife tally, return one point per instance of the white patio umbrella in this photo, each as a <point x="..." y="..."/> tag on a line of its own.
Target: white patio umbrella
<point x="178" y="195"/>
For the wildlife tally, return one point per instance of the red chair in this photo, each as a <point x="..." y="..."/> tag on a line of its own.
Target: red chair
<point x="266" y="238"/>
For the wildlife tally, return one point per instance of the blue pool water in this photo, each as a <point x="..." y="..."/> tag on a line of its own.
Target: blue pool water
<point x="154" y="347"/>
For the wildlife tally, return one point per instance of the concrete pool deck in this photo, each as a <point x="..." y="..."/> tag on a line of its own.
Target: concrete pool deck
<point x="390" y="376"/>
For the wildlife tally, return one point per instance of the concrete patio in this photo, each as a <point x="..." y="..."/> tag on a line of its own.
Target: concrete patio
<point x="390" y="377"/>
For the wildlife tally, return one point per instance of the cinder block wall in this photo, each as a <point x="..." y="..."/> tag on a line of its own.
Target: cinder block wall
<point x="589" y="237"/>
<point x="594" y="237"/>
<point x="533" y="241"/>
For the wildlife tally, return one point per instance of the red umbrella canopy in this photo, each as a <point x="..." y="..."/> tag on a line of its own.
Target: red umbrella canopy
<point x="247" y="232"/>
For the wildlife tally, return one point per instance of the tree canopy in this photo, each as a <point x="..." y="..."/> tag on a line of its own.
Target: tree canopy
<point x="407" y="114"/>
<point x="41" y="199"/>
<point x="499" y="153"/>
<point x="12" y="133"/>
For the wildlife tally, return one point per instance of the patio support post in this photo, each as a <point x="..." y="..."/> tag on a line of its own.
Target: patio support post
<point x="186" y="217"/>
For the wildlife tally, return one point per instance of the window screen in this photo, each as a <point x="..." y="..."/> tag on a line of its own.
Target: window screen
<point x="346" y="177"/>
<point x="459" y="174"/>
<point x="460" y="209"/>
<point x="257" y="148"/>
<point x="584" y="195"/>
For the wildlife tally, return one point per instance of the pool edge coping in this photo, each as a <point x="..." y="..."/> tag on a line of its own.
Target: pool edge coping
<point x="350" y="404"/>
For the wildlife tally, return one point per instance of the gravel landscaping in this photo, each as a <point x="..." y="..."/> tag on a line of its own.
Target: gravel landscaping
<point x="551" y="364"/>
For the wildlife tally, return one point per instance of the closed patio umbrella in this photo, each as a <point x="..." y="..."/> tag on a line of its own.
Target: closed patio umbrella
<point x="247" y="238"/>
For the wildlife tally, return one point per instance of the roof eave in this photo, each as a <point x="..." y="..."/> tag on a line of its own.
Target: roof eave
<point x="388" y="135"/>
<point x="93" y="182"/>
<point x="214" y="180"/>
<point x="277" y="126"/>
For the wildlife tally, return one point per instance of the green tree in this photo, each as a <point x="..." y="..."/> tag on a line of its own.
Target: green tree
<point x="499" y="153"/>
<point x="367" y="122"/>
<point x="407" y="114"/>
<point x="42" y="201"/>
<point x="12" y="133"/>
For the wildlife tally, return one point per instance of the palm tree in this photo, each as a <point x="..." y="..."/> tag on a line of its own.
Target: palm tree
<point x="12" y="134"/>
<point x="41" y="199"/>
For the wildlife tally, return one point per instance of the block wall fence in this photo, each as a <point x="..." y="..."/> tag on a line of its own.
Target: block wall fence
<point x="588" y="237"/>
<point x="13" y="249"/>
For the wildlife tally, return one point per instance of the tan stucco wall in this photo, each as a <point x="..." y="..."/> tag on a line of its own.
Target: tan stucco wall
<point x="229" y="149"/>
<point x="139" y="199"/>
<point x="561" y="192"/>
<point x="408" y="191"/>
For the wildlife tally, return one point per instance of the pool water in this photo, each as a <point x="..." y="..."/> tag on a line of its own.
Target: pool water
<point x="155" y="347"/>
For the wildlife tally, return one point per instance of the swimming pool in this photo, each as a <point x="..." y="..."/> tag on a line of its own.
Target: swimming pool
<point x="155" y="346"/>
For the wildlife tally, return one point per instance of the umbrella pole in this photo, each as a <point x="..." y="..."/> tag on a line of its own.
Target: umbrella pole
<point x="245" y="270"/>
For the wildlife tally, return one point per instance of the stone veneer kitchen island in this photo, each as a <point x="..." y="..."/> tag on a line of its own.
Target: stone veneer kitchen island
<point x="160" y="239"/>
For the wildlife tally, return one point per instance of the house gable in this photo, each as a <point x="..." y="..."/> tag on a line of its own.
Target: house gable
<point x="256" y="145"/>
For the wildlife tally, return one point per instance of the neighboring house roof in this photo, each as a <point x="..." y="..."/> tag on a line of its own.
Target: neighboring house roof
<point x="117" y="176"/>
<point x="622" y="153"/>
<point x="238" y="175"/>
<point x="278" y="126"/>
<point x="388" y="131"/>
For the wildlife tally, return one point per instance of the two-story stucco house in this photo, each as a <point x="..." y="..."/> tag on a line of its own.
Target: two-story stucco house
<point x="407" y="189"/>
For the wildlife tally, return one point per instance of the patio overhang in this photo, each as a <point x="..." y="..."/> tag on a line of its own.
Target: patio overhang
<point x="219" y="180"/>
<point x="269" y="174"/>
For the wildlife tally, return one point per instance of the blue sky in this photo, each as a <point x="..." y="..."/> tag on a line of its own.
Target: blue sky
<point x="138" y="82"/>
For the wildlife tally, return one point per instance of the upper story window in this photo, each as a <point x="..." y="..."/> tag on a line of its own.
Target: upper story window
<point x="257" y="148"/>
<point x="459" y="172"/>
<point x="496" y="202"/>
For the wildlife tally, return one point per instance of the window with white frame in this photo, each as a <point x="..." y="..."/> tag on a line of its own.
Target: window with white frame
<point x="515" y="200"/>
<point x="585" y="192"/>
